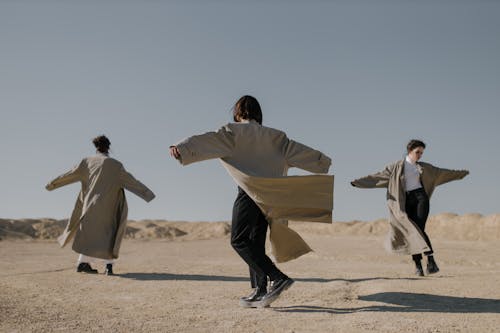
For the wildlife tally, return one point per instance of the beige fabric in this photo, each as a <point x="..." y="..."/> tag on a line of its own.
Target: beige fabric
<point x="258" y="158"/>
<point x="300" y="198"/>
<point x="98" y="221"/>
<point x="404" y="236"/>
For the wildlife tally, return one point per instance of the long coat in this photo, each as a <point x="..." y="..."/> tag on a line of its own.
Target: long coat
<point x="405" y="237"/>
<point x="98" y="221"/>
<point x="258" y="158"/>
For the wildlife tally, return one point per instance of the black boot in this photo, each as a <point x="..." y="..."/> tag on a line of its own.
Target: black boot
<point x="109" y="269"/>
<point x="255" y="296"/>
<point x="277" y="287"/>
<point x="432" y="267"/>
<point x="419" y="271"/>
<point x="84" y="267"/>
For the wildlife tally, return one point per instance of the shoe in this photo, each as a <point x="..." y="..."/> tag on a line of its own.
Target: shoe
<point x="252" y="300"/>
<point x="255" y="292"/>
<point x="277" y="287"/>
<point x="109" y="269"/>
<point x="84" y="267"/>
<point x="419" y="271"/>
<point x="432" y="267"/>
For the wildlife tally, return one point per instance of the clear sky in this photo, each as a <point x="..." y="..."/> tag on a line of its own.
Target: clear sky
<point x="354" y="79"/>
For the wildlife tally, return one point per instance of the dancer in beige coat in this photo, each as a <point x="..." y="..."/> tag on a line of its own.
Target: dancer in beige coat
<point x="410" y="185"/>
<point x="258" y="157"/>
<point x="98" y="221"/>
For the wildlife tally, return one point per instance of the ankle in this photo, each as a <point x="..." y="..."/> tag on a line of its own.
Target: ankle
<point x="282" y="276"/>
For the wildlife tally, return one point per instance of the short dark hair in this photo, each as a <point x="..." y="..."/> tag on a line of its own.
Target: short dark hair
<point x="102" y="143"/>
<point x="247" y="107"/>
<point x="414" y="144"/>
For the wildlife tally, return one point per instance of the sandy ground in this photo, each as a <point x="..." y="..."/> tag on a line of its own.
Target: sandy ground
<point x="349" y="284"/>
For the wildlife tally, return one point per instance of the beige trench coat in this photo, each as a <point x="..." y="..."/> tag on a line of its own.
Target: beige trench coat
<point x="405" y="237"/>
<point x="98" y="221"/>
<point x="258" y="158"/>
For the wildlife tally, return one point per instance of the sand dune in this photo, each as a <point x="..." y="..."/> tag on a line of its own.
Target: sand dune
<point x="46" y="229"/>
<point x="449" y="226"/>
<point x="469" y="227"/>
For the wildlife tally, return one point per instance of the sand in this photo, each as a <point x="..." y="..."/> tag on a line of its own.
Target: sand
<point x="184" y="277"/>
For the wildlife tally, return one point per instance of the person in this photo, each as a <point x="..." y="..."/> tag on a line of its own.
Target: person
<point x="410" y="184"/>
<point x="258" y="157"/>
<point x="98" y="221"/>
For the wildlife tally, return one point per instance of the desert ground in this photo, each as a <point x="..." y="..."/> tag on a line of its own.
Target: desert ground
<point x="185" y="277"/>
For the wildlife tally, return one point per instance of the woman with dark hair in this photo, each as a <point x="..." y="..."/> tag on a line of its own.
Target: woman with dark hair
<point x="98" y="221"/>
<point x="410" y="183"/>
<point x="258" y="157"/>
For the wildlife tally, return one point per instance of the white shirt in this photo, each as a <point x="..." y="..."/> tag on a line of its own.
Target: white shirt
<point x="412" y="176"/>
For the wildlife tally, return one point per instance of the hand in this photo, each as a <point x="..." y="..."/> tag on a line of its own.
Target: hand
<point x="352" y="184"/>
<point x="174" y="152"/>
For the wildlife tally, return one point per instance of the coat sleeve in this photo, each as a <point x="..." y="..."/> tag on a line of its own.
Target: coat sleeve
<point x="443" y="176"/>
<point x="206" y="146"/>
<point x="377" y="180"/>
<point x="72" y="176"/>
<point x="303" y="157"/>
<point x="133" y="185"/>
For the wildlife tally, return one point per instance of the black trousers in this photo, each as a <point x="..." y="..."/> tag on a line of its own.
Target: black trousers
<point x="248" y="238"/>
<point x="417" y="209"/>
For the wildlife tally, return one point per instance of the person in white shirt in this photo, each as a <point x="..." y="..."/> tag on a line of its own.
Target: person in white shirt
<point x="417" y="202"/>
<point x="410" y="183"/>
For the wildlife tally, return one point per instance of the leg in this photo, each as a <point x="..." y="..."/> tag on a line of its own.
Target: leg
<point x="422" y="212"/>
<point x="258" y="245"/>
<point x="277" y="285"/>
<point x="414" y="212"/>
<point x="253" y="278"/>
<point x="258" y="240"/>
<point x="84" y="259"/>
<point x="84" y="265"/>
<point x="245" y="223"/>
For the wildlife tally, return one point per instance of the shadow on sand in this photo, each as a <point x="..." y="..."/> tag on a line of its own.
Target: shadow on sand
<point x="409" y="302"/>
<point x="199" y="277"/>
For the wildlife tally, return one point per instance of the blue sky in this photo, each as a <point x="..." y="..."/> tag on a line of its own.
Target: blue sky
<point x="354" y="79"/>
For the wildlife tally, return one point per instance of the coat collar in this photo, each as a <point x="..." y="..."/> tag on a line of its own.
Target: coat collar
<point x="417" y="164"/>
<point x="248" y="121"/>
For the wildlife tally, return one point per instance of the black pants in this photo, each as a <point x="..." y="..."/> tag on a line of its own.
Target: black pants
<point x="417" y="209"/>
<point x="248" y="238"/>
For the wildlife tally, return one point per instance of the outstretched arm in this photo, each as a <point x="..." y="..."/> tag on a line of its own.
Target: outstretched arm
<point x="446" y="175"/>
<point x="133" y="185"/>
<point x="72" y="176"/>
<point x="303" y="157"/>
<point x="377" y="180"/>
<point x="205" y="146"/>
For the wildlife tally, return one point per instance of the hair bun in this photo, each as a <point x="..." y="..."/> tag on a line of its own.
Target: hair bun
<point x="102" y="143"/>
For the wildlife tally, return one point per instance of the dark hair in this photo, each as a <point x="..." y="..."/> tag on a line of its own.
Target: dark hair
<point x="102" y="144"/>
<point x="247" y="107"/>
<point x="414" y="144"/>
